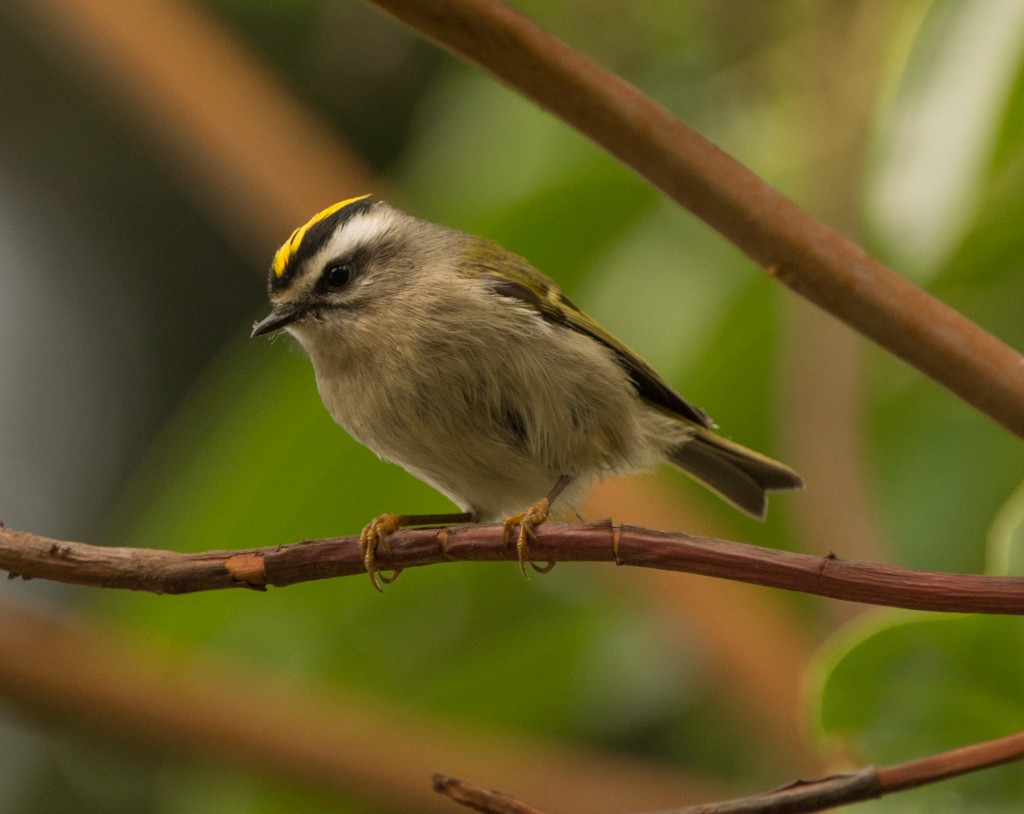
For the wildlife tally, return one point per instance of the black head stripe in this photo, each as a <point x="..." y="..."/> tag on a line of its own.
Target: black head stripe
<point x="308" y="239"/>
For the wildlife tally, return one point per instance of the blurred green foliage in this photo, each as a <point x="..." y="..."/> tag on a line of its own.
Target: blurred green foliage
<point x="251" y="458"/>
<point x="904" y="686"/>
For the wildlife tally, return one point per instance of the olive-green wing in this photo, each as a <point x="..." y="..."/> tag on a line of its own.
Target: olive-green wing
<point x="521" y="281"/>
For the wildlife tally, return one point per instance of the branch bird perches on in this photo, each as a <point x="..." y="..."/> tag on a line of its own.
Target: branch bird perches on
<point x="31" y="556"/>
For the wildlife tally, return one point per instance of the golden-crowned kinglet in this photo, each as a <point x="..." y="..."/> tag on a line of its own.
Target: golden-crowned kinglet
<point x="458" y="360"/>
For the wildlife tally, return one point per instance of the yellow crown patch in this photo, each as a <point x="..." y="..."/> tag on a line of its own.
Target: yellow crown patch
<point x="291" y="245"/>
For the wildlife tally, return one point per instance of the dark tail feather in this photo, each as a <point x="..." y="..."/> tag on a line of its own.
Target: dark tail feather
<point x="737" y="474"/>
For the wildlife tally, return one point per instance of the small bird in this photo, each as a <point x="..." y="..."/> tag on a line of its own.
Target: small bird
<point x="458" y="360"/>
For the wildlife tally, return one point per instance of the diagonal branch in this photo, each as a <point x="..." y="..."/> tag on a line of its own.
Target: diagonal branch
<point x="31" y="556"/>
<point x="810" y="258"/>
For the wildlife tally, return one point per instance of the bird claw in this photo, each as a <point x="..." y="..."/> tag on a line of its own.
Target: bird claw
<point x="374" y="534"/>
<point x="527" y="520"/>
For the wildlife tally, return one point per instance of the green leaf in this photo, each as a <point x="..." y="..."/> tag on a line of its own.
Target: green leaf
<point x="902" y="686"/>
<point x="1006" y="537"/>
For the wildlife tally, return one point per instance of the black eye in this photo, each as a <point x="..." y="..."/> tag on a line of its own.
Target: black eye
<point x="338" y="276"/>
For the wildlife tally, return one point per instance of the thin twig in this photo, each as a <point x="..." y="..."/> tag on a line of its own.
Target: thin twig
<point x="869" y="783"/>
<point x="480" y="799"/>
<point x="952" y="764"/>
<point x="803" y="795"/>
<point x="27" y="555"/>
<point x="800" y="251"/>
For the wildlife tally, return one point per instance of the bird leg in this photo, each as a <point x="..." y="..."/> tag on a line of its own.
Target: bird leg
<point x="527" y="520"/>
<point x="376" y="533"/>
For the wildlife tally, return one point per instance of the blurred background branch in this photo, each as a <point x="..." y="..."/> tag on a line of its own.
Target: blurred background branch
<point x="194" y="110"/>
<point x="111" y="684"/>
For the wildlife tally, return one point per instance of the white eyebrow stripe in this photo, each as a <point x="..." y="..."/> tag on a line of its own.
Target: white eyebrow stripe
<point x="359" y="231"/>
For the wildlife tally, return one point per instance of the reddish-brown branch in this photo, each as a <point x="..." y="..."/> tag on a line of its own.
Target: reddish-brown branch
<point x="802" y="796"/>
<point x="31" y="556"/>
<point x="951" y="764"/>
<point x="797" y="249"/>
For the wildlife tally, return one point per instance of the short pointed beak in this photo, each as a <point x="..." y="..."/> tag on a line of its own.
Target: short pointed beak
<point x="281" y="316"/>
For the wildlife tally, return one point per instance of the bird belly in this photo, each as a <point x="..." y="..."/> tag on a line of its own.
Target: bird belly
<point x="495" y="431"/>
<point x="481" y="464"/>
